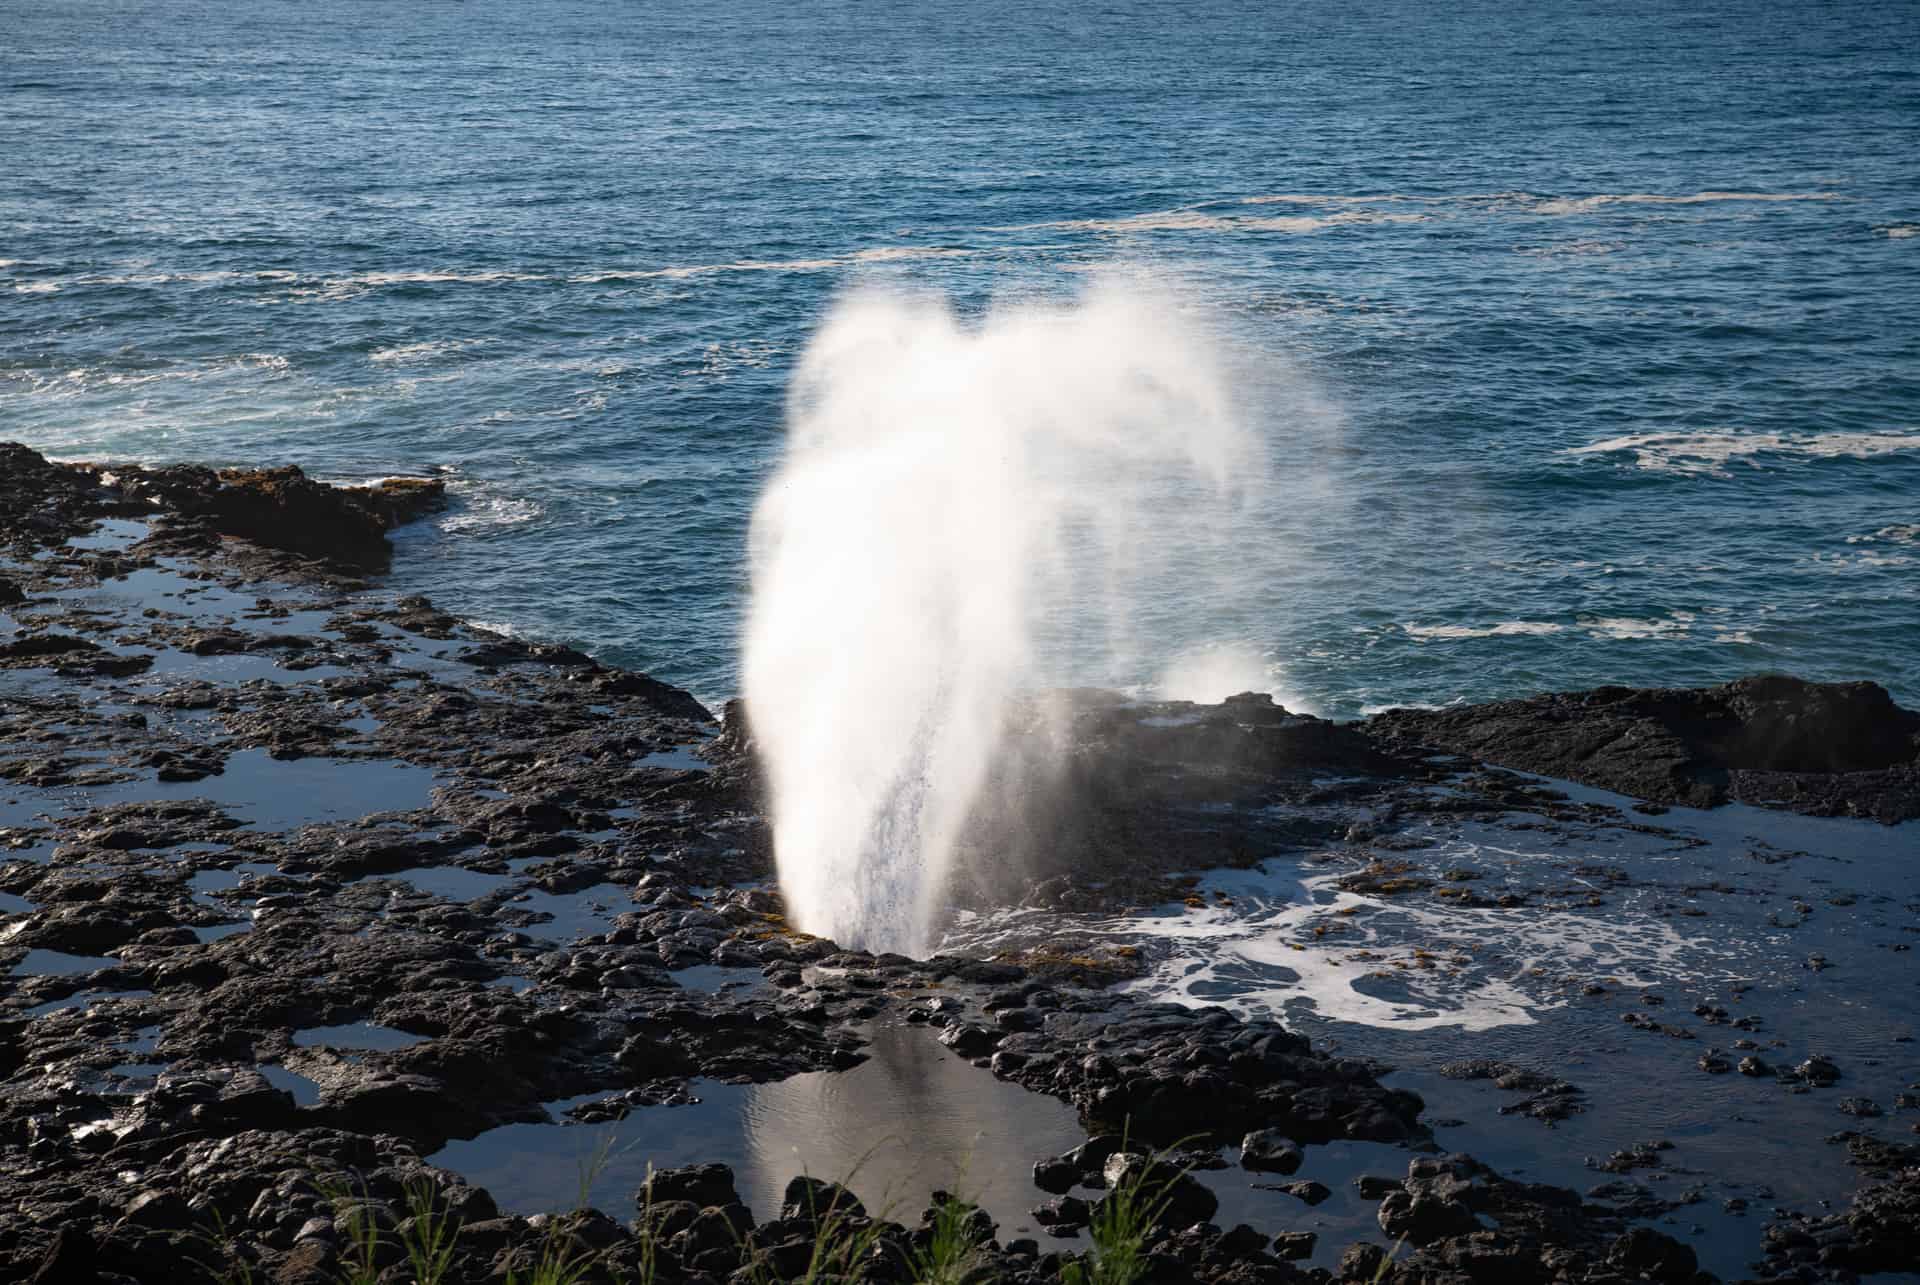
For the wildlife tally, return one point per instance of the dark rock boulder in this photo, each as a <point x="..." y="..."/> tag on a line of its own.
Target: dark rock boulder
<point x="1269" y="1151"/>
<point x="284" y="509"/>
<point x="1167" y="1196"/>
<point x="1827" y="749"/>
<point x="1649" y="1253"/>
<point x="813" y="1199"/>
<point x="1063" y="1213"/>
<point x="704" y="1185"/>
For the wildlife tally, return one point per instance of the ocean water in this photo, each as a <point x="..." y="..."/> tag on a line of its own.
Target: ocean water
<point x="1589" y="336"/>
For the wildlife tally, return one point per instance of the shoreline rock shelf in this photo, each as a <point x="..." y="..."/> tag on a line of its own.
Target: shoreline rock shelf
<point x="303" y="881"/>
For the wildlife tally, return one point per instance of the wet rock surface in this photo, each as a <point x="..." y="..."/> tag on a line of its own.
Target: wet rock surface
<point x="305" y="881"/>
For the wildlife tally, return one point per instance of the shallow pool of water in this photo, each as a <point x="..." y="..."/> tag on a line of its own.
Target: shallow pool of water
<point x="451" y="883"/>
<point x="357" y="1036"/>
<point x="680" y="758"/>
<point x="574" y="914"/>
<point x="285" y="794"/>
<point x="305" y="1092"/>
<point x="111" y="534"/>
<point x="59" y="963"/>
<point x="910" y="1119"/>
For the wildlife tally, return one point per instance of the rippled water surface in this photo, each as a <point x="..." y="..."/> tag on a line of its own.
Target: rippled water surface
<point x="1587" y="339"/>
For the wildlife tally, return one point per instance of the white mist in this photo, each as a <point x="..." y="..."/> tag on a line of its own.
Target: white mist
<point x="966" y="511"/>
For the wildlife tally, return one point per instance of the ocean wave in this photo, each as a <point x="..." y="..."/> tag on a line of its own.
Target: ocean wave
<point x="1504" y="629"/>
<point x="37" y="287"/>
<point x="1573" y="248"/>
<point x="425" y="350"/>
<point x="1365" y="208"/>
<point x="1532" y="202"/>
<point x="319" y="287"/>
<point x="1628" y="629"/>
<point x="1899" y="533"/>
<point x="877" y="254"/>
<point x="1856" y="561"/>
<point x="1307" y="198"/>
<point x="719" y="361"/>
<point x="1368" y="711"/>
<point x="501" y="627"/>
<point x="1586" y="204"/>
<point x="481" y="511"/>
<point x="1194" y="219"/>
<point x="191" y="278"/>
<point x="1711" y="453"/>
<point x="1900" y="231"/>
<point x="59" y="385"/>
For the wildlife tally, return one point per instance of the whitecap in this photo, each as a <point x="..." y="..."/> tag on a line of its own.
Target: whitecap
<point x="405" y="353"/>
<point x="487" y="512"/>
<point x="1899" y="533"/>
<point x="1303" y="198"/>
<point x="896" y="253"/>
<point x="1587" y="204"/>
<point x="1573" y="248"/>
<point x="720" y="360"/>
<point x="1507" y="628"/>
<point x="1198" y="219"/>
<point x="1711" y="452"/>
<point x="500" y="627"/>
<point x="1900" y="231"/>
<point x="1630" y="629"/>
<point x="37" y="287"/>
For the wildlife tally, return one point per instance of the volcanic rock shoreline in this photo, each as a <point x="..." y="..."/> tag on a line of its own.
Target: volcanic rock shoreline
<point x="229" y="760"/>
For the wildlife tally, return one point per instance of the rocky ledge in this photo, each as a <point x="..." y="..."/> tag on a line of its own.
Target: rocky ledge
<point x="302" y="881"/>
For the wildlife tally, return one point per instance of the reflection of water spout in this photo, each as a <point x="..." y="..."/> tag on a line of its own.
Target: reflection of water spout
<point x="911" y="1120"/>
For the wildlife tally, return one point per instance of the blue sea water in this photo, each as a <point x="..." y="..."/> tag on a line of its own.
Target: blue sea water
<point x="1610" y="312"/>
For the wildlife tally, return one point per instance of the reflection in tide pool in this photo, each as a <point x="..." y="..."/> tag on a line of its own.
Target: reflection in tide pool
<point x="911" y="1119"/>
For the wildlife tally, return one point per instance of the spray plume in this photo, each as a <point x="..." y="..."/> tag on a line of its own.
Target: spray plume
<point x="965" y="513"/>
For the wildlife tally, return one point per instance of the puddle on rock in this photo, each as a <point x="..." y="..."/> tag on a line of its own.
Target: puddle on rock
<point x="138" y="1070"/>
<point x="305" y="1092"/>
<point x="713" y="977"/>
<point x="12" y="905"/>
<point x="573" y="914"/>
<point x="680" y="758"/>
<point x="918" y="1117"/>
<point x="112" y="534"/>
<point x="233" y="669"/>
<point x="911" y="1119"/>
<point x="53" y="963"/>
<point x="84" y="999"/>
<point x="143" y="1040"/>
<point x="449" y="883"/>
<point x="285" y="794"/>
<point x="205" y="882"/>
<point x="357" y="1036"/>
